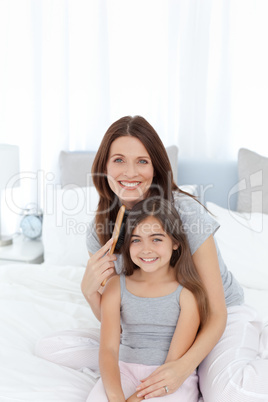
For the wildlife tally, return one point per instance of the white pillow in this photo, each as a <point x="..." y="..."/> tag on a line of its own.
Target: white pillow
<point x="66" y="215"/>
<point x="253" y="182"/>
<point x="243" y="242"/>
<point x="190" y="189"/>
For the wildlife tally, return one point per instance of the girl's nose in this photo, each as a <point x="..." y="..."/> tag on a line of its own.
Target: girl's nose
<point x="146" y="249"/>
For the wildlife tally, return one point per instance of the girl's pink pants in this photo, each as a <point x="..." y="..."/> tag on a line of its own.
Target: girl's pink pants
<point x="131" y="376"/>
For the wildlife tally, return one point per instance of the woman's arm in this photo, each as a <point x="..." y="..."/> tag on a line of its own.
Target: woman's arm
<point x="100" y="266"/>
<point x="175" y="373"/>
<point x="110" y="340"/>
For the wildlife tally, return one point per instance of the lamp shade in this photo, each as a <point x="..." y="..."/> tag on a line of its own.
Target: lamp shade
<point x="9" y="165"/>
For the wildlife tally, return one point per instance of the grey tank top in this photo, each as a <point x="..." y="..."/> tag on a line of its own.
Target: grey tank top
<point x="148" y="325"/>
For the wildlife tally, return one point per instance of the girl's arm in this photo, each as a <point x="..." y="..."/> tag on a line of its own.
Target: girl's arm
<point x="100" y="266"/>
<point x="175" y="373"/>
<point x="110" y="340"/>
<point x="187" y="326"/>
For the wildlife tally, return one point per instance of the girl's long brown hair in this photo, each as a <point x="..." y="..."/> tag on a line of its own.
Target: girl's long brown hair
<point x="162" y="185"/>
<point x="181" y="259"/>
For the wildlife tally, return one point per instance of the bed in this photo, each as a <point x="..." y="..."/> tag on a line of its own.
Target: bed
<point x="39" y="299"/>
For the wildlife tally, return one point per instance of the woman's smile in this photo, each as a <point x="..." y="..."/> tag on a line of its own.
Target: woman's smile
<point x="130" y="185"/>
<point x="130" y="170"/>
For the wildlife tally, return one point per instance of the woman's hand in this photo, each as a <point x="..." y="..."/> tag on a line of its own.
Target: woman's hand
<point x="170" y="375"/>
<point x="99" y="267"/>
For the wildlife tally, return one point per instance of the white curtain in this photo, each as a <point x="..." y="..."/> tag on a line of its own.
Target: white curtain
<point x="196" y="69"/>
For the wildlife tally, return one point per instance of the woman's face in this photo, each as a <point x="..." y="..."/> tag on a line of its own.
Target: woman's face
<point x="129" y="169"/>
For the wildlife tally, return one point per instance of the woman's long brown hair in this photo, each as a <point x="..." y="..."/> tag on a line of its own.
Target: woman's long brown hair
<point x="181" y="259"/>
<point x="162" y="185"/>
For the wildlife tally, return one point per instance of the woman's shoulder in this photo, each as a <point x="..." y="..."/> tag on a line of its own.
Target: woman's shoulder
<point x="186" y="202"/>
<point x="189" y="208"/>
<point x="198" y="223"/>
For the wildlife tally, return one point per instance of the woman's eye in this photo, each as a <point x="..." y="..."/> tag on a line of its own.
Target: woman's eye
<point x="143" y="161"/>
<point x="157" y="240"/>
<point x="118" y="160"/>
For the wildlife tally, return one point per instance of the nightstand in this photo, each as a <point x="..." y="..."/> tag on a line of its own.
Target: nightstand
<point x="22" y="251"/>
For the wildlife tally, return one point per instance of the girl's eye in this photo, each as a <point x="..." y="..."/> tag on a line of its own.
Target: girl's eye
<point x="156" y="239"/>
<point x="135" y="240"/>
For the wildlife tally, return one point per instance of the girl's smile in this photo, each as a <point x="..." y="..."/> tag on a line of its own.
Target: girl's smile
<point x="149" y="260"/>
<point x="151" y="248"/>
<point x="129" y="169"/>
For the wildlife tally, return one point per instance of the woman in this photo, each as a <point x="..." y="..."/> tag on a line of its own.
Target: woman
<point x="131" y="164"/>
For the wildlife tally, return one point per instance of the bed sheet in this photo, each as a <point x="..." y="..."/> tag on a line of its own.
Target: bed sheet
<point x="37" y="300"/>
<point x="258" y="298"/>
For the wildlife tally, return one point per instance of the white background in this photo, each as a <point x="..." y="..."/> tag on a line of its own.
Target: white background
<point x="195" y="69"/>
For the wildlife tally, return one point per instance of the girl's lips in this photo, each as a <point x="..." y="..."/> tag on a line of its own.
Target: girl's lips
<point x="149" y="260"/>
<point x="130" y="185"/>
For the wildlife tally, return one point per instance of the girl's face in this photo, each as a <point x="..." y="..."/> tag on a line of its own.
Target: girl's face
<point x="151" y="247"/>
<point x="130" y="170"/>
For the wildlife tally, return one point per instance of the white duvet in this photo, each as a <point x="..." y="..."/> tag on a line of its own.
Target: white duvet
<point x="37" y="300"/>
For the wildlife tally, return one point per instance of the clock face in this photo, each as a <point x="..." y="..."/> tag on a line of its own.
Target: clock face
<point x="31" y="226"/>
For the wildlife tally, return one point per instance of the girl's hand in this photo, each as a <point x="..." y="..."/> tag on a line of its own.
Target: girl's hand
<point x="134" y="398"/>
<point x="99" y="267"/>
<point x="171" y="375"/>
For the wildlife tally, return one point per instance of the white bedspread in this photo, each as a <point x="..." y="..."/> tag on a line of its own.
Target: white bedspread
<point x="37" y="300"/>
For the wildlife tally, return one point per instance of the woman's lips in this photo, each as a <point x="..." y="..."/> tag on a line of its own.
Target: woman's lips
<point x="130" y="185"/>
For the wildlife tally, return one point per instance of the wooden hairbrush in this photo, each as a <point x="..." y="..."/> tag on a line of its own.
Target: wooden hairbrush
<point x="116" y="231"/>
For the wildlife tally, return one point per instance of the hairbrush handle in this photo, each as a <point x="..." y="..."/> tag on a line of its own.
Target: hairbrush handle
<point x="116" y="231"/>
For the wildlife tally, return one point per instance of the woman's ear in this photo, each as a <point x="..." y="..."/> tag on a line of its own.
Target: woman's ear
<point x="176" y="246"/>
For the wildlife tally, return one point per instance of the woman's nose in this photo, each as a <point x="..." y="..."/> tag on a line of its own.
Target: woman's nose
<point x="131" y="170"/>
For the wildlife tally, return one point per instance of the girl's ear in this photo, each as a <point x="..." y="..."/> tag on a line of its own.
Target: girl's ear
<point x="176" y="246"/>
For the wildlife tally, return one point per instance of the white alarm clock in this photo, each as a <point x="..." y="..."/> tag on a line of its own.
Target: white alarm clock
<point x="31" y="223"/>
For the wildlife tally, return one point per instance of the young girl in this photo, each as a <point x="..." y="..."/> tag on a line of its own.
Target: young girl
<point x="159" y="300"/>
